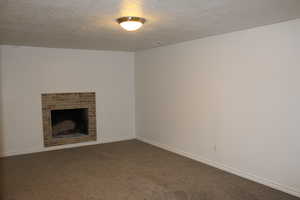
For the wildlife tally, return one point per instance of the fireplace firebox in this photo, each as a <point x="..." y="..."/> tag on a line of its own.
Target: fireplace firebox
<point x="69" y="122"/>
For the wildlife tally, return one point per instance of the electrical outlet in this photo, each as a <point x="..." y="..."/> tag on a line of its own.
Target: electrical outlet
<point x="215" y="148"/>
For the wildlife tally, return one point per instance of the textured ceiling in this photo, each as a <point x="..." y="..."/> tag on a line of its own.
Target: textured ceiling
<point x="90" y="24"/>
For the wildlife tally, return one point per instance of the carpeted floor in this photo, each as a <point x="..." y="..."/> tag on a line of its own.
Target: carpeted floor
<point x="129" y="170"/>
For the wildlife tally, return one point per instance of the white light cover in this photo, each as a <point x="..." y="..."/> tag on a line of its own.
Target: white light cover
<point x="131" y="25"/>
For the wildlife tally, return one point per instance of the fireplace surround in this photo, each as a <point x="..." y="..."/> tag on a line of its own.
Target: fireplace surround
<point x="69" y="118"/>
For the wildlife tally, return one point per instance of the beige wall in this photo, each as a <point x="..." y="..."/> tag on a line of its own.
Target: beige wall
<point x="232" y="101"/>
<point x="26" y="72"/>
<point x="1" y="118"/>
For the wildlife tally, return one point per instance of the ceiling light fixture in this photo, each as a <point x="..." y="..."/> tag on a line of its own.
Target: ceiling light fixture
<point x="131" y="23"/>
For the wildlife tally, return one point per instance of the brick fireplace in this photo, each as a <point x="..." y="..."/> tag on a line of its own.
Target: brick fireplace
<point x="69" y="118"/>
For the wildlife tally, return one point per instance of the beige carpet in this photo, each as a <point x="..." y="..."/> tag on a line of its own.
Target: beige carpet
<point x="129" y="170"/>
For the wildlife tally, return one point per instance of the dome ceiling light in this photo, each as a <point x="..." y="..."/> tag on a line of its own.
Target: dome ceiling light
<point x="131" y="23"/>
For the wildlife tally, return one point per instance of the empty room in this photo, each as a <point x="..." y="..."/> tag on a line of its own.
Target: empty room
<point x="149" y="99"/>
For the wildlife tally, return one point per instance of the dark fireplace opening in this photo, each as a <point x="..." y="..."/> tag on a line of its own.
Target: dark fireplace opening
<point x="69" y="122"/>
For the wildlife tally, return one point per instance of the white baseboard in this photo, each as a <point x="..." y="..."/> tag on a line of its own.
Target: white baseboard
<point x="241" y="173"/>
<point x="37" y="149"/>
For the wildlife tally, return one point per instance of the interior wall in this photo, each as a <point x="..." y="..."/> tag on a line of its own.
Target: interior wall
<point x="26" y="72"/>
<point x="231" y="101"/>
<point x="1" y="118"/>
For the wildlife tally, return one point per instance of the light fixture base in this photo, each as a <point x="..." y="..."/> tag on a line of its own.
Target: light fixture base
<point x="130" y="18"/>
